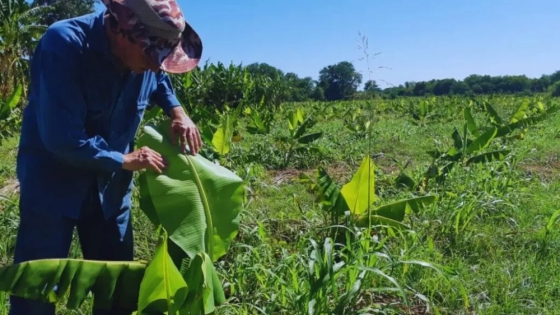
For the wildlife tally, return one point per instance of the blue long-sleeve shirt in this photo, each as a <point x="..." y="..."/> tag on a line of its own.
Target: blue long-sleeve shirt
<point x="81" y="119"/>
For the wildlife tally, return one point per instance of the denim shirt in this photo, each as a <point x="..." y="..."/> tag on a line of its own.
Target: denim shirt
<point x="81" y="118"/>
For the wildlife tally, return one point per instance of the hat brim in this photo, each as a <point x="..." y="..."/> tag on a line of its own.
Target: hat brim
<point x="186" y="55"/>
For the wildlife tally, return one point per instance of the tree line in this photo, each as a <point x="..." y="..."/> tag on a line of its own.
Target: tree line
<point x="480" y="84"/>
<point x="340" y="81"/>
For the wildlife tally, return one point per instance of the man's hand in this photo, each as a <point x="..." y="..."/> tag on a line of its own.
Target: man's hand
<point x="144" y="158"/>
<point x="183" y="128"/>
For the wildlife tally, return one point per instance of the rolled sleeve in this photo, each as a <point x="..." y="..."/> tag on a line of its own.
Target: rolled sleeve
<point x="62" y="110"/>
<point x="164" y="95"/>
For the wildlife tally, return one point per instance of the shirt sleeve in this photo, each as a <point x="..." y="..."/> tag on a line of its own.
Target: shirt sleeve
<point x="164" y="95"/>
<point x="61" y="110"/>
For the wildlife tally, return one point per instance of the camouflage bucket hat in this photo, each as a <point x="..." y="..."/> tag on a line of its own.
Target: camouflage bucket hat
<point x="161" y="30"/>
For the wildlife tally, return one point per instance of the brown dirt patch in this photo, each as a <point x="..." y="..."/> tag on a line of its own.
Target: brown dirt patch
<point x="339" y="172"/>
<point x="9" y="188"/>
<point x="545" y="171"/>
<point x="283" y="176"/>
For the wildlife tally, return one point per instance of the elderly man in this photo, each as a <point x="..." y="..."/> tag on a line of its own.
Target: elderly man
<point x="91" y="80"/>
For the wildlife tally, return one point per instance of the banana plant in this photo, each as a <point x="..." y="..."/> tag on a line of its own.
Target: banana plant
<point x="260" y="120"/>
<point x="358" y="198"/>
<point x="466" y="151"/>
<point x="219" y="131"/>
<point x="423" y="112"/>
<point x="195" y="204"/>
<point x="523" y="117"/>
<point x="298" y="138"/>
<point x="357" y="123"/>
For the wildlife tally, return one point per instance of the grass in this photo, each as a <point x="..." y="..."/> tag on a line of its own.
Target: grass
<point x="483" y="248"/>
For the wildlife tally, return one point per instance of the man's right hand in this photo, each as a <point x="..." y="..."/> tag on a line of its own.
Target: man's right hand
<point x="144" y="158"/>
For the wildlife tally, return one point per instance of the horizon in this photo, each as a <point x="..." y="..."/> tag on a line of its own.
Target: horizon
<point x="415" y="41"/>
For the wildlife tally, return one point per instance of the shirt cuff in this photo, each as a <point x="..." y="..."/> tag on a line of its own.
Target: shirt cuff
<point x="115" y="162"/>
<point x="168" y="102"/>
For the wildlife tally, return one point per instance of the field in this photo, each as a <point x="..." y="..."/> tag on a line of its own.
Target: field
<point x="487" y="245"/>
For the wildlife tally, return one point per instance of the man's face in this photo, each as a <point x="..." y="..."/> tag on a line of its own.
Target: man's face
<point x="134" y="58"/>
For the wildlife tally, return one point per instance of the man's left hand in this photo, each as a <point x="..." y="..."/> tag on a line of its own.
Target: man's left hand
<point x="183" y="128"/>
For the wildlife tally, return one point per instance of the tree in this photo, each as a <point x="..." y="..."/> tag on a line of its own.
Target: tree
<point x="459" y="88"/>
<point x="20" y="28"/>
<point x="339" y="81"/>
<point x="443" y="87"/>
<point x="300" y="89"/>
<point x="554" y="89"/>
<point x="258" y="69"/>
<point x="65" y="9"/>
<point x="371" y="86"/>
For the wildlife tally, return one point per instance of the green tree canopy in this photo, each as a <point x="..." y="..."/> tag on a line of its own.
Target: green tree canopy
<point x="339" y="81"/>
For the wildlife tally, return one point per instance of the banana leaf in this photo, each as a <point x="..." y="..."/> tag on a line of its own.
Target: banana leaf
<point x="163" y="289"/>
<point x="114" y="284"/>
<point x="196" y="201"/>
<point x="156" y="288"/>
<point x="359" y="193"/>
<point x="205" y="288"/>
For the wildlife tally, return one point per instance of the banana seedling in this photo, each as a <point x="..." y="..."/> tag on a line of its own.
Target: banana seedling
<point x="358" y="197"/>
<point x="298" y="140"/>
<point x="260" y="120"/>
<point x="358" y="123"/>
<point x="466" y="151"/>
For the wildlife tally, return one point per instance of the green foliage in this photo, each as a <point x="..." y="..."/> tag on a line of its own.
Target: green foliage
<point x="298" y="140"/>
<point x="358" y="195"/>
<point x="64" y="9"/>
<point x="554" y="89"/>
<point x="216" y="86"/>
<point x="466" y="151"/>
<point x="9" y="114"/>
<point x="20" y="27"/>
<point x="358" y="123"/>
<point x="475" y="85"/>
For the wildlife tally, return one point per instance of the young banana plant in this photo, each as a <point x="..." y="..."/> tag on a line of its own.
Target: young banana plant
<point x="358" y="197"/>
<point x="298" y="138"/>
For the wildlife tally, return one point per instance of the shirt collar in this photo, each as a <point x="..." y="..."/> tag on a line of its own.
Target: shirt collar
<point x="99" y="41"/>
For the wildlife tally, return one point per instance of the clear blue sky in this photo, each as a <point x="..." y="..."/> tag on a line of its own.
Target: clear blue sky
<point x="417" y="40"/>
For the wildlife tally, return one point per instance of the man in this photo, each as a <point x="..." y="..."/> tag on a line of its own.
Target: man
<point x="91" y="80"/>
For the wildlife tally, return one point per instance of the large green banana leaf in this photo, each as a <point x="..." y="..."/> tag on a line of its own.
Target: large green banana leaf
<point x="114" y="284"/>
<point x="196" y="201"/>
<point x="157" y="288"/>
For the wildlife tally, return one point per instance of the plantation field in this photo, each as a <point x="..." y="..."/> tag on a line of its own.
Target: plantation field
<point x="477" y="235"/>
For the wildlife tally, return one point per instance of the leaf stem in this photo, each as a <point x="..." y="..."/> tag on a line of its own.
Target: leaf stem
<point x="209" y="226"/>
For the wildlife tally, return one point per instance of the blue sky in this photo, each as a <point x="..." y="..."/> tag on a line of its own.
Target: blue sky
<point x="416" y="40"/>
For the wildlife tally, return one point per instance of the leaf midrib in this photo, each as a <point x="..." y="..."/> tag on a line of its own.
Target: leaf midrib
<point x="209" y="226"/>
